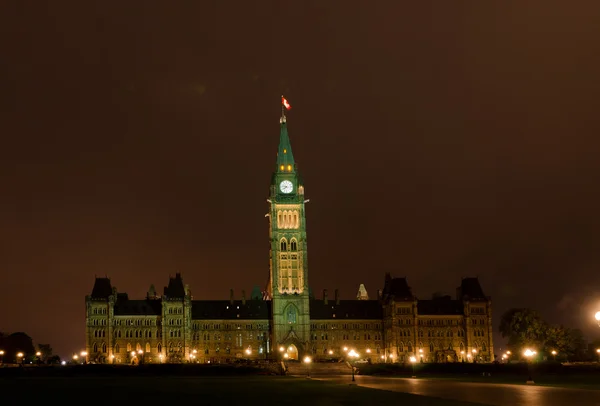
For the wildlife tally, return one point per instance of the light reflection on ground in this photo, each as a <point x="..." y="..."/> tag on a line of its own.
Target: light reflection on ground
<point x="482" y="393"/>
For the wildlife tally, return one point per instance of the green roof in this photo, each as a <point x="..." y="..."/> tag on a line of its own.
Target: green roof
<point x="285" y="157"/>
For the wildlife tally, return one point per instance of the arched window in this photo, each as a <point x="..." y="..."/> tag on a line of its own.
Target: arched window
<point x="279" y="220"/>
<point x="104" y="348"/>
<point x="462" y="347"/>
<point x="159" y="348"/>
<point x="147" y="347"/>
<point x="294" y="245"/>
<point x="138" y="346"/>
<point x="430" y="347"/>
<point x="128" y="347"/>
<point x="401" y="347"/>
<point x="95" y="347"/>
<point x="283" y="244"/>
<point x="409" y="347"/>
<point x="117" y="348"/>
<point x="483" y="347"/>
<point x="291" y="314"/>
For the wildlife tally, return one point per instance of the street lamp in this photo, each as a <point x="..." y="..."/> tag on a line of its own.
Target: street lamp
<point x="554" y="354"/>
<point x="84" y="355"/>
<point x="1" y="357"/>
<point x="352" y="354"/>
<point x="307" y="361"/>
<point x="597" y="316"/>
<point x="412" y="361"/>
<point x="528" y="355"/>
<point x="20" y="355"/>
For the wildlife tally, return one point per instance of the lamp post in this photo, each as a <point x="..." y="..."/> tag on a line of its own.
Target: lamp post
<point x="352" y="354"/>
<point x="598" y="352"/>
<point x="39" y="357"/>
<point x="554" y="354"/>
<point x="474" y="351"/>
<point x="307" y="361"/>
<point x="412" y="361"/>
<point x="84" y="356"/>
<point x="421" y="355"/>
<point x="528" y="355"/>
<point x="597" y="316"/>
<point x="20" y="358"/>
<point x="1" y="356"/>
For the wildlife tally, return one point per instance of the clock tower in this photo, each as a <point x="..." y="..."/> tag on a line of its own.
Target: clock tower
<point x="288" y="279"/>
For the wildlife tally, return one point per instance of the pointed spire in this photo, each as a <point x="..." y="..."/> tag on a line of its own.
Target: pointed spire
<point x="285" y="157"/>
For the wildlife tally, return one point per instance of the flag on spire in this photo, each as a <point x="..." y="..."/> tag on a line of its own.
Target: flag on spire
<point x="285" y="103"/>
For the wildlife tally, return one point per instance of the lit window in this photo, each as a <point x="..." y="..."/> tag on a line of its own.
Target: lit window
<point x="289" y="167"/>
<point x="282" y="167"/>
<point x="285" y="151"/>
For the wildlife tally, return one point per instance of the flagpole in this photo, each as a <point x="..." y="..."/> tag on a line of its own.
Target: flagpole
<point x="282" y="110"/>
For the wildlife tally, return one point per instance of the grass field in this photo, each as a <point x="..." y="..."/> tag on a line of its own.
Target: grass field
<point x="165" y="390"/>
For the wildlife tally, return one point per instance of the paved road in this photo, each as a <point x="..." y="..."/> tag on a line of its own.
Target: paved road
<point x="483" y="393"/>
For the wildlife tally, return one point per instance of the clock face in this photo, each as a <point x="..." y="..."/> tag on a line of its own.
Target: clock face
<point x="286" y="186"/>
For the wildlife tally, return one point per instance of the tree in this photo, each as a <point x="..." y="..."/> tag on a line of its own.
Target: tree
<point x="15" y="343"/>
<point x="524" y="328"/>
<point x="46" y="351"/>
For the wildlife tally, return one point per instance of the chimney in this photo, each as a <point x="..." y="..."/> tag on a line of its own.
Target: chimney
<point x="337" y="297"/>
<point x="325" y="300"/>
<point x="243" y="297"/>
<point x="231" y="296"/>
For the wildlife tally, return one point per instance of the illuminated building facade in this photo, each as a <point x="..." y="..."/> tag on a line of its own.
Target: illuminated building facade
<point x="285" y="320"/>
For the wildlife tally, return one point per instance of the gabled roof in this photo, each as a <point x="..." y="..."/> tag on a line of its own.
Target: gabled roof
<point x="471" y="288"/>
<point x="138" y="307"/>
<point x="225" y="310"/>
<point x="396" y="288"/>
<point x="444" y="305"/>
<point x="175" y="290"/>
<point x="347" y="309"/>
<point x="102" y="288"/>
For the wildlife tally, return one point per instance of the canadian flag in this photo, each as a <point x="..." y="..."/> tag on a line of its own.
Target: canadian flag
<point x="285" y="103"/>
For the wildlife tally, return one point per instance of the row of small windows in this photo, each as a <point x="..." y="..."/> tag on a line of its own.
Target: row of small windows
<point x="293" y="245"/>
<point x="137" y="322"/>
<point x="288" y="219"/>
<point x="344" y="326"/>
<point x="479" y="333"/>
<point x="136" y="334"/>
<point x="441" y="346"/>
<point x="196" y="326"/>
<point x="228" y="336"/>
<point x="176" y="310"/>
<point x="99" y="310"/>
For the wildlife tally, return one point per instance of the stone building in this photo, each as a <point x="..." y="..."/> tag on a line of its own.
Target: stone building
<point x="285" y="321"/>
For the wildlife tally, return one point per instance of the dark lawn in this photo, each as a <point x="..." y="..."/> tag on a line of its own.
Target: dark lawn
<point x="234" y="390"/>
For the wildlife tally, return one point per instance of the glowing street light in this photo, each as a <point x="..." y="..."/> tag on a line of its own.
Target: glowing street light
<point x="597" y="316"/>
<point x="355" y="355"/>
<point x="307" y="361"/>
<point x="554" y="354"/>
<point x="529" y="354"/>
<point x="412" y="361"/>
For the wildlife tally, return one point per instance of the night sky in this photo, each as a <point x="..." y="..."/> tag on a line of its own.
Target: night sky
<point x="436" y="141"/>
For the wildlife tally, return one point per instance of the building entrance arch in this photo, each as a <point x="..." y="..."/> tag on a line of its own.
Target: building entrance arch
<point x="292" y="352"/>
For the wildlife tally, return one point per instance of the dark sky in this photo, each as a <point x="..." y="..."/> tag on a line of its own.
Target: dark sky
<point x="436" y="141"/>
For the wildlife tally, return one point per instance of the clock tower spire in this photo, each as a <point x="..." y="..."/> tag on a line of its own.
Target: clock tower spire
<point x="288" y="276"/>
